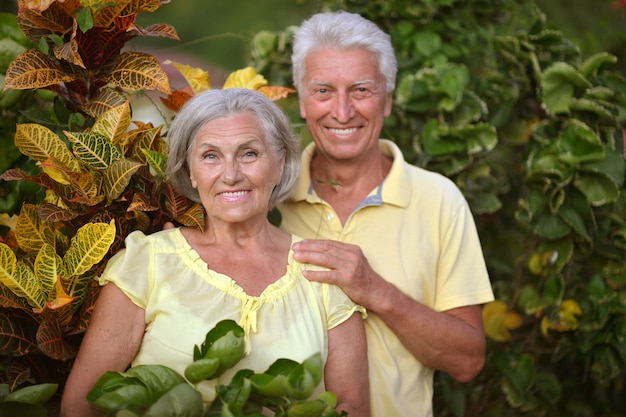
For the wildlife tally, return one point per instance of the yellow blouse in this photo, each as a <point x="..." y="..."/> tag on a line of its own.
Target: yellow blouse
<point x="183" y="300"/>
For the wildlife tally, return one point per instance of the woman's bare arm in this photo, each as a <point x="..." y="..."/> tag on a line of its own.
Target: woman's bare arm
<point x="346" y="372"/>
<point x="111" y="342"/>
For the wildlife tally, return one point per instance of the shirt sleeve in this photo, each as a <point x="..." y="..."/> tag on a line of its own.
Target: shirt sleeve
<point x="131" y="269"/>
<point x="339" y="306"/>
<point x="462" y="276"/>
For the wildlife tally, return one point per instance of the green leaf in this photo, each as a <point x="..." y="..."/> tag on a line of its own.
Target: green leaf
<point x="202" y="369"/>
<point x="558" y="84"/>
<point x="518" y="378"/>
<point x="589" y="68"/>
<point x="579" y="144"/>
<point x="315" y="366"/>
<point x="157" y="378"/>
<point x="554" y="289"/>
<point x="306" y="409"/>
<point x="548" y="387"/>
<point x="180" y="401"/>
<point x="34" y="394"/>
<point x="301" y="383"/>
<point x="84" y="19"/>
<point x="598" y="188"/>
<point x="437" y="143"/>
<point x="270" y="385"/>
<point x="427" y="43"/>
<point x="224" y="342"/>
<point x="116" y="390"/>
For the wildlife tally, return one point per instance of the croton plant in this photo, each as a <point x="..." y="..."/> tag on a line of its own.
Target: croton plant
<point x="98" y="171"/>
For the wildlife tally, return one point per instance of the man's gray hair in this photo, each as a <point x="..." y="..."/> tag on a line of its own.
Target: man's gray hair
<point x="345" y="31"/>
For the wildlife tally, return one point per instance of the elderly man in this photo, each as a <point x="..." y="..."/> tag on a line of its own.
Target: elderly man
<point x="399" y="240"/>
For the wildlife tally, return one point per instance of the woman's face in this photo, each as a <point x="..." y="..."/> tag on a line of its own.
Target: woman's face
<point x="234" y="168"/>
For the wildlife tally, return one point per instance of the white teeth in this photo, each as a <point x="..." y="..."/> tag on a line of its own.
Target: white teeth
<point x="343" y="131"/>
<point x="233" y="193"/>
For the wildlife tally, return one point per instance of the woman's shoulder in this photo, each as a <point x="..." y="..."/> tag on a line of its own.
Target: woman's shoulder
<point x="161" y="240"/>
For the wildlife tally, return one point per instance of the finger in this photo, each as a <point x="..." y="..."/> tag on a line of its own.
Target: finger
<point x="320" y="276"/>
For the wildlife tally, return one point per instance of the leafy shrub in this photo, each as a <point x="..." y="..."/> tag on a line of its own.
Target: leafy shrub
<point x="156" y="390"/>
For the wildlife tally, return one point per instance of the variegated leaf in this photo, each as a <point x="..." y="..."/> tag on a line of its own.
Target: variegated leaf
<point x="94" y="149"/>
<point x="106" y="15"/>
<point x="8" y="221"/>
<point x="138" y="71"/>
<point x="69" y="51"/>
<point x="114" y="122"/>
<point x="88" y="247"/>
<point x="156" y="162"/>
<point x="104" y="100"/>
<point x="118" y="176"/>
<point x="8" y="262"/>
<point x="245" y="78"/>
<point x="163" y="30"/>
<point x="57" y="303"/>
<point x="177" y="99"/>
<point x="47" y="266"/>
<point x="146" y="138"/>
<point x="33" y="69"/>
<point x="32" y="232"/>
<point x="54" y="213"/>
<point x="50" y="340"/>
<point x="142" y="202"/>
<point x="8" y="299"/>
<point x="175" y="204"/>
<point x="197" y="78"/>
<point x="55" y="171"/>
<point x="39" y="5"/>
<point x="275" y="93"/>
<point x="24" y="284"/>
<point x="17" y="337"/>
<point x="194" y="217"/>
<point x="86" y="189"/>
<point x="41" y="144"/>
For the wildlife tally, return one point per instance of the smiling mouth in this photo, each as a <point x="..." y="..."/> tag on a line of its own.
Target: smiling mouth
<point x="233" y="193"/>
<point x="343" y="131"/>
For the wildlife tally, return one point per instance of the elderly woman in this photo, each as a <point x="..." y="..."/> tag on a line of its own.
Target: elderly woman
<point x="234" y="151"/>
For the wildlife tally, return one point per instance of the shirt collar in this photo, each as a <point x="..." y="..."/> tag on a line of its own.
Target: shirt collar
<point x="396" y="188"/>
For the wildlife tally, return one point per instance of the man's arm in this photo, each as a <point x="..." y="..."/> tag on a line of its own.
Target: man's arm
<point x="452" y="341"/>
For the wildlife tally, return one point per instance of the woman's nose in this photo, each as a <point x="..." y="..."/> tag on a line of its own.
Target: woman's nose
<point x="232" y="171"/>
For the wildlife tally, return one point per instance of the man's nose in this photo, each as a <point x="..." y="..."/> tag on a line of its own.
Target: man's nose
<point x="343" y="109"/>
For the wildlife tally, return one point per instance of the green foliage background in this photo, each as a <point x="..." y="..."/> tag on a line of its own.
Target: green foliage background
<point x="529" y="121"/>
<point x="531" y="128"/>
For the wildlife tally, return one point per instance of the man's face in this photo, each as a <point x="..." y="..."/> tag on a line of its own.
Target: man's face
<point x="344" y="102"/>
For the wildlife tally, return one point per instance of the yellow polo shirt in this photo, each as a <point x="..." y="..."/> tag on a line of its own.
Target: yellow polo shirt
<point x="417" y="232"/>
<point x="183" y="299"/>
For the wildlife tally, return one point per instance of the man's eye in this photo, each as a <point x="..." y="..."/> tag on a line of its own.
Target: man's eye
<point x="250" y="154"/>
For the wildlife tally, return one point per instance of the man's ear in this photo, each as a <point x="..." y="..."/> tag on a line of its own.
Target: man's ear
<point x="388" y="104"/>
<point x="302" y="109"/>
